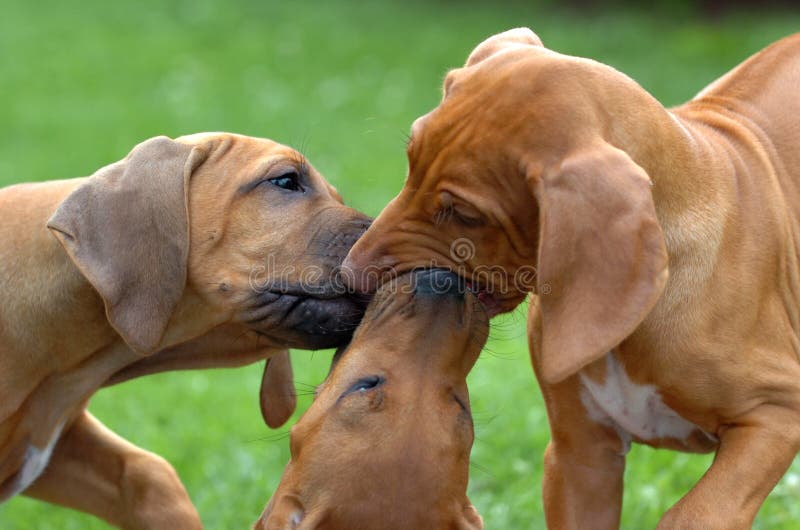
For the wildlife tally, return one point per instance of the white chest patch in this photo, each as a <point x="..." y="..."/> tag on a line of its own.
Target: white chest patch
<point x="634" y="410"/>
<point x="36" y="460"/>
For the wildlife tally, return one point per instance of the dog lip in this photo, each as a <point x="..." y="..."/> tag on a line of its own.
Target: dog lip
<point x="306" y="322"/>
<point x="489" y="302"/>
<point x="320" y="291"/>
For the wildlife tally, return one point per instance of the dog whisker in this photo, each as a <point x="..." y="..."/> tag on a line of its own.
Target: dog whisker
<point x="483" y="469"/>
<point x="275" y="437"/>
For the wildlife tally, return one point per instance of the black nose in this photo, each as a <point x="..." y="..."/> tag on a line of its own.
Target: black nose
<point x="438" y="282"/>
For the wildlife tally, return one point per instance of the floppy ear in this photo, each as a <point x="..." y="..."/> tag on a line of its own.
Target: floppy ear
<point x="127" y="230"/>
<point x="513" y="38"/>
<point x="602" y="257"/>
<point x="278" y="398"/>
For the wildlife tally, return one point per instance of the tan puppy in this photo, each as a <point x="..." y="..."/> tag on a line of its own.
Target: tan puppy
<point x="195" y="248"/>
<point x="385" y="445"/>
<point x="566" y="165"/>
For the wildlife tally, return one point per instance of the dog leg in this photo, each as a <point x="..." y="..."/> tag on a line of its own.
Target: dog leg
<point x="584" y="465"/>
<point x="753" y="456"/>
<point x="582" y="487"/>
<point x="584" y="462"/>
<point x="96" y="471"/>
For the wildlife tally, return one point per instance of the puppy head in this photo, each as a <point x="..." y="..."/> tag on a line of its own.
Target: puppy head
<point x="186" y="234"/>
<point x="513" y="184"/>
<point x="386" y="442"/>
<point x="271" y="233"/>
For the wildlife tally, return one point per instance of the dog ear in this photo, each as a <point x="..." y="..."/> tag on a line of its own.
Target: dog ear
<point x="602" y="257"/>
<point x="278" y="398"/>
<point x="513" y="38"/>
<point x="127" y="230"/>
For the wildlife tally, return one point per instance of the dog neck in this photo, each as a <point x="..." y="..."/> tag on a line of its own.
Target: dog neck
<point x="713" y="181"/>
<point x="694" y="185"/>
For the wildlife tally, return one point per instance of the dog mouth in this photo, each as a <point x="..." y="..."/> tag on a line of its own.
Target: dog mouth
<point x="491" y="304"/>
<point x="306" y="317"/>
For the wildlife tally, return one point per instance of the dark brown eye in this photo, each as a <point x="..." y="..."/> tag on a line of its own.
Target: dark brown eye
<point x="287" y="181"/>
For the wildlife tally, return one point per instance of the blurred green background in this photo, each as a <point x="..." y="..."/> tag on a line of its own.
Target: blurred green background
<point x="81" y="83"/>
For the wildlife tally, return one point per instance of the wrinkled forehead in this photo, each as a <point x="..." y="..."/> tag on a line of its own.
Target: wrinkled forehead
<point x="488" y="117"/>
<point x="499" y="82"/>
<point x="453" y="155"/>
<point x="472" y="108"/>
<point x="437" y="149"/>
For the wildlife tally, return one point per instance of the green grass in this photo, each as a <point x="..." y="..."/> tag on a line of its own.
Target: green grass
<point x="81" y="83"/>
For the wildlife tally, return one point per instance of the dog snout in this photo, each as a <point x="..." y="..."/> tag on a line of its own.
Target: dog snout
<point x="362" y="224"/>
<point x="335" y="234"/>
<point x="354" y="230"/>
<point x="362" y="273"/>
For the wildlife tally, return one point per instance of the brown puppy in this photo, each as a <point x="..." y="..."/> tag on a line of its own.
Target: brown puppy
<point x="193" y="248"/>
<point x="385" y="445"/>
<point x="566" y="165"/>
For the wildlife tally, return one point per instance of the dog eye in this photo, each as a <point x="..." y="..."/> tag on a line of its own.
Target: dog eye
<point x="365" y="384"/>
<point x="467" y="220"/>
<point x="287" y="181"/>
